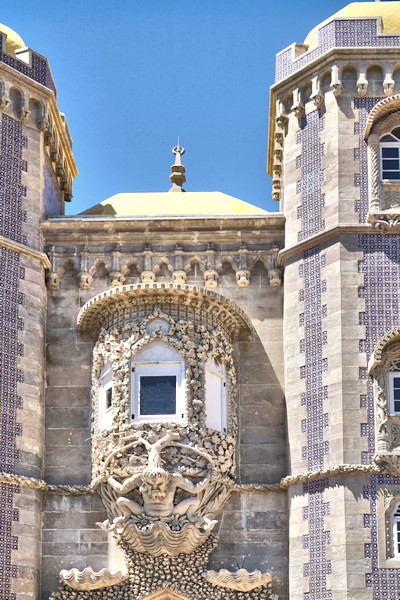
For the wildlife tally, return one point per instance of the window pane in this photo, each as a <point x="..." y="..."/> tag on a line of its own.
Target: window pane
<point x="391" y="175"/>
<point x="157" y="395"/>
<point x="396" y="132"/>
<point x="396" y="382"/>
<point x="396" y="406"/>
<point x="387" y="138"/>
<point x="390" y="152"/>
<point x="108" y="398"/>
<point x="396" y="394"/>
<point x="390" y="165"/>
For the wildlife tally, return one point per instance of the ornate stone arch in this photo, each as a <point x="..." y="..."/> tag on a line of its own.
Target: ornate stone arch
<point x="385" y="360"/>
<point x="383" y="196"/>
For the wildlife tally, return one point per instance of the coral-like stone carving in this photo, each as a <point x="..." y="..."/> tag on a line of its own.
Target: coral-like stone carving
<point x="160" y="511"/>
<point x="166" y="578"/>
<point x="89" y="580"/>
<point x="241" y="580"/>
<point x="385" y="221"/>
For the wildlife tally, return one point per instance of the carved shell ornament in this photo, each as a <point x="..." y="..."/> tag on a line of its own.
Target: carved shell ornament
<point x="90" y="580"/>
<point x="241" y="580"/>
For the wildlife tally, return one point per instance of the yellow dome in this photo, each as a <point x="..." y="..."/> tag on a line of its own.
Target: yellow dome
<point x="389" y="11"/>
<point x="14" y="41"/>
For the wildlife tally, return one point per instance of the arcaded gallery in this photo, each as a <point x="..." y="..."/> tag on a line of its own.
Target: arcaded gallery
<point x="199" y="398"/>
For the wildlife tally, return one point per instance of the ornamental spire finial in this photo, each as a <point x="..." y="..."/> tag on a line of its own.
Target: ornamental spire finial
<point x="177" y="176"/>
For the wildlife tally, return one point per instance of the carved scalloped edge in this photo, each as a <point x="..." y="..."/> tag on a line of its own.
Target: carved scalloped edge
<point x="241" y="580"/>
<point x="90" y="580"/>
<point x="160" y="539"/>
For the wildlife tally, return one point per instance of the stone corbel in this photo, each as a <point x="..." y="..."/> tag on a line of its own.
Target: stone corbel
<point x="243" y="277"/>
<point x="84" y="278"/>
<point x="24" y="114"/>
<point x="5" y="100"/>
<point x="281" y="119"/>
<point x="179" y="277"/>
<point x="275" y="277"/>
<point x="336" y="84"/>
<point x="43" y="122"/>
<point x="85" y="281"/>
<point x="388" y="85"/>
<point x="276" y="188"/>
<point x="52" y="277"/>
<point x="297" y="106"/>
<point x="53" y="281"/>
<point x="316" y="95"/>
<point x="147" y="277"/>
<point x="117" y="278"/>
<point x="210" y="278"/>
<point x="362" y="85"/>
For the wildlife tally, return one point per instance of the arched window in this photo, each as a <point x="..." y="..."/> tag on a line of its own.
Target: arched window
<point x="394" y="389"/>
<point x="105" y="397"/>
<point x="390" y="155"/>
<point x="396" y="530"/>
<point x="157" y="384"/>
<point x="216" y="414"/>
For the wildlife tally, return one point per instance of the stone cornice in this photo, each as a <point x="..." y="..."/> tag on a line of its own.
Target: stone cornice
<point x="317" y="65"/>
<point x="68" y="227"/>
<point x="323" y="236"/>
<point x="26" y="251"/>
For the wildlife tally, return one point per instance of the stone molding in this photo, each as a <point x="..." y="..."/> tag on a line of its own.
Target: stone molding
<point x="50" y="122"/>
<point x="203" y="302"/>
<point x="26" y="251"/>
<point x="234" y="486"/>
<point x="335" y="60"/>
<point x="149" y="265"/>
<point x="326" y="235"/>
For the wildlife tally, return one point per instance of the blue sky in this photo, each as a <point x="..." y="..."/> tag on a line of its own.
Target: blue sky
<point x="133" y="75"/>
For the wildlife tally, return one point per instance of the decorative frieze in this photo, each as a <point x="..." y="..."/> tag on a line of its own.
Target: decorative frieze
<point x="175" y="266"/>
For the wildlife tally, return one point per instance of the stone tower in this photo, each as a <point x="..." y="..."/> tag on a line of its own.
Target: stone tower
<point x="334" y="158"/>
<point x="36" y="172"/>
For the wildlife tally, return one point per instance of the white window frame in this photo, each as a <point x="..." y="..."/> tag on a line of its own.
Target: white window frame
<point x="105" y="385"/>
<point x="391" y="376"/>
<point x="395" y="527"/>
<point x="216" y="396"/>
<point x="155" y="369"/>
<point x="394" y="144"/>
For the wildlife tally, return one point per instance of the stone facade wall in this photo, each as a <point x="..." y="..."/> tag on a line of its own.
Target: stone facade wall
<point x="71" y="538"/>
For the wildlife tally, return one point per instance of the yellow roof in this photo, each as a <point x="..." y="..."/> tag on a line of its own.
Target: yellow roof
<point x="389" y="11"/>
<point x="183" y="204"/>
<point x="14" y="41"/>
